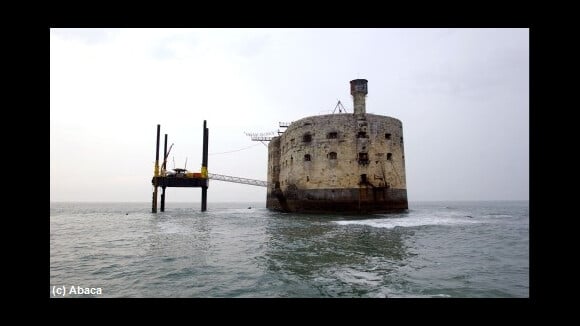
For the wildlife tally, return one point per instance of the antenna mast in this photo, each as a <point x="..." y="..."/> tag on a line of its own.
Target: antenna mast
<point x="340" y="107"/>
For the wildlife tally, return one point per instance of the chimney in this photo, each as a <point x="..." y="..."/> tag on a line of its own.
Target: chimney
<point x="358" y="90"/>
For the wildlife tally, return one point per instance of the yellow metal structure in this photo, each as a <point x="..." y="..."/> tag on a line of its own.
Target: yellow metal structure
<point x="156" y="170"/>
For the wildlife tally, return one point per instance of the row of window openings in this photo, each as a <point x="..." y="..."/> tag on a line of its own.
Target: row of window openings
<point x="362" y="157"/>
<point x="333" y="156"/>
<point x="363" y="179"/>
<point x="306" y="138"/>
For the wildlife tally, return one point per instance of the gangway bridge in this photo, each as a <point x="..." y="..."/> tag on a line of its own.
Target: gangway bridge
<point x="245" y="181"/>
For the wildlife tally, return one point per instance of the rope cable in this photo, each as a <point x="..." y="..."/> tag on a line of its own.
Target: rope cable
<point x="235" y="150"/>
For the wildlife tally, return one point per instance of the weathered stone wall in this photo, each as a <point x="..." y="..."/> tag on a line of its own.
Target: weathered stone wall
<point x="338" y="152"/>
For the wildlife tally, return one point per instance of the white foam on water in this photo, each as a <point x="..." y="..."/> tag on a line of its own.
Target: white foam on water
<point x="410" y="221"/>
<point x="388" y="293"/>
<point x="168" y="227"/>
<point x="497" y="216"/>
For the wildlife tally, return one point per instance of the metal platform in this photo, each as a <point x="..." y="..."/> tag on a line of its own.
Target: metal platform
<point x="179" y="182"/>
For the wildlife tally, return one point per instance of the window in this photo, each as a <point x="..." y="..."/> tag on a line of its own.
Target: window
<point x="363" y="158"/>
<point x="332" y="155"/>
<point x="307" y="178"/>
<point x="307" y="138"/>
<point x="363" y="178"/>
<point x="387" y="136"/>
<point x="332" y="135"/>
<point x="389" y="156"/>
<point x="307" y="157"/>
<point x="362" y="134"/>
<point x="401" y="139"/>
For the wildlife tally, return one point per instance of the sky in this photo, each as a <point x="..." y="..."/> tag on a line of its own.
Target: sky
<point x="461" y="94"/>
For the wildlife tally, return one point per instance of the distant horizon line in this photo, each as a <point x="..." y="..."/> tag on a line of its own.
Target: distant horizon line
<point x="249" y="201"/>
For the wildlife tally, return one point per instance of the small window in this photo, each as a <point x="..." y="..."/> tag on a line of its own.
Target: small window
<point x="362" y="134"/>
<point x="363" y="178"/>
<point x="307" y="178"/>
<point x="389" y="156"/>
<point x="332" y="155"/>
<point x="387" y="136"/>
<point x="401" y="139"/>
<point x="307" y="138"/>
<point x="307" y="157"/>
<point x="332" y="135"/>
<point x="363" y="158"/>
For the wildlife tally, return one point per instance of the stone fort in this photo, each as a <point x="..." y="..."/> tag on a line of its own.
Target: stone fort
<point x="343" y="162"/>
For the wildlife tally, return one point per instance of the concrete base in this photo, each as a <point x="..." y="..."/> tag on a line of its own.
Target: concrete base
<point x="353" y="200"/>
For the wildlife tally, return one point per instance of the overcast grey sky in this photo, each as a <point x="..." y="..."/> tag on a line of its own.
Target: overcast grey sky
<point x="462" y="95"/>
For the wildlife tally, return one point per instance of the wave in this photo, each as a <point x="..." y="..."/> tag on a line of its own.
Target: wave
<point x="411" y="221"/>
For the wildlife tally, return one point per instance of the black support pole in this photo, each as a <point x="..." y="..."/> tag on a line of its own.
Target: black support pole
<point x="204" y="167"/>
<point x="156" y="173"/>
<point x="163" y="168"/>
<point x="203" y="199"/>
<point x="157" y="146"/>
<point x="165" y="154"/>
<point x="163" y="199"/>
